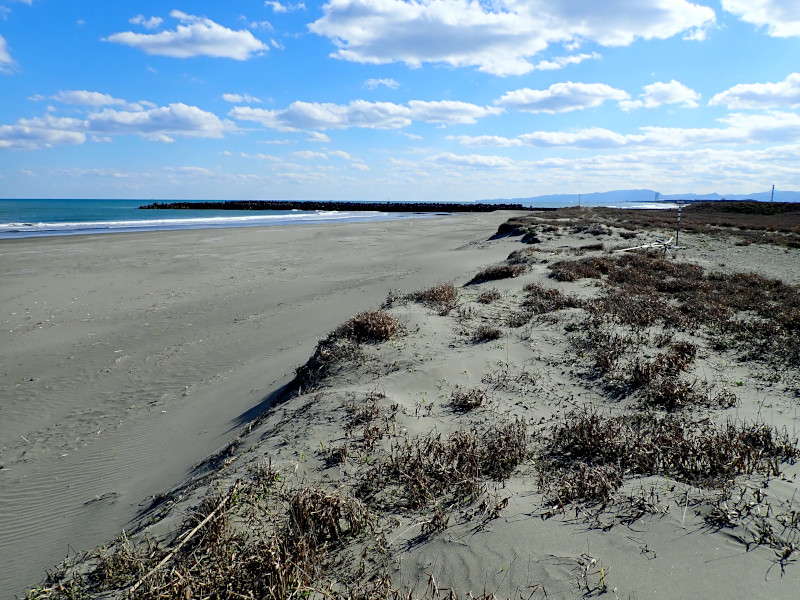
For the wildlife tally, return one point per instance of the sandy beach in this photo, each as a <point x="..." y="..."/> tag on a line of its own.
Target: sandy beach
<point x="127" y="359"/>
<point x="525" y="415"/>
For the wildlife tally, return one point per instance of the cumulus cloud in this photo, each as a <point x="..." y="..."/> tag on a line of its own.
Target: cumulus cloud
<point x="774" y="127"/>
<point x="151" y="23"/>
<point x="317" y="137"/>
<point x="5" y="56"/>
<point x="783" y="94"/>
<point x="195" y="36"/>
<point x="780" y="17"/>
<point x="96" y="99"/>
<point x="362" y="114"/>
<point x="373" y="83"/>
<point x="498" y="37"/>
<point x="160" y="124"/>
<point x="660" y="93"/>
<point x="561" y="97"/>
<point x="42" y="132"/>
<point x="240" y="98"/>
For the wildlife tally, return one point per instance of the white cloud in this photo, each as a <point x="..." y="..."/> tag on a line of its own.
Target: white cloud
<point x="498" y="37"/>
<point x="373" y="83"/>
<point x="561" y="97"/>
<point x="660" y="93"/>
<point x="239" y="98"/>
<point x="95" y="99"/>
<point x="486" y="140"/>
<point x="308" y="154"/>
<point x="5" y="56"/>
<point x="472" y="160"/>
<point x="284" y="8"/>
<point x="261" y="25"/>
<point x="770" y="128"/>
<point x="195" y="36"/>
<point x="161" y="124"/>
<point x="560" y="62"/>
<point x="151" y="23"/>
<point x="780" y="17"/>
<point x="316" y="136"/>
<point x="783" y="94"/>
<point x="42" y="132"/>
<point x="594" y="137"/>
<point x="362" y="114"/>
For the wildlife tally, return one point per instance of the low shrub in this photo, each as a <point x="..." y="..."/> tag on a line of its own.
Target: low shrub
<point x="495" y="272"/>
<point x="486" y="333"/>
<point x="488" y="296"/>
<point x="442" y="297"/>
<point x="464" y="400"/>
<point x="586" y="451"/>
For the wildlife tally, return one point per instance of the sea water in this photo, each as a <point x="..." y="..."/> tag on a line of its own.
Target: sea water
<point x="32" y="218"/>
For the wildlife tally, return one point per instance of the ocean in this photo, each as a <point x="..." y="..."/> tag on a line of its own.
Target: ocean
<point x="38" y="218"/>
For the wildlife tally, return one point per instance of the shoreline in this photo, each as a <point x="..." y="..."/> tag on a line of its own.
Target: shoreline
<point x="122" y="346"/>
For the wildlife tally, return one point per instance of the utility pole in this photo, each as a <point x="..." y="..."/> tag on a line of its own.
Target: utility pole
<point x="579" y="200"/>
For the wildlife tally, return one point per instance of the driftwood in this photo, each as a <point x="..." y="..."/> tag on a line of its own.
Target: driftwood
<point x="169" y="556"/>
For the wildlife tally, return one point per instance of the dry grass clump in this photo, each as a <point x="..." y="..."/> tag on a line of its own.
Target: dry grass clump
<point x="489" y="296"/>
<point x="442" y="297"/>
<point x="587" y="455"/>
<point x="251" y="542"/>
<point x="539" y="299"/>
<point x="369" y="326"/>
<point x="495" y="272"/>
<point x="526" y="256"/>
<point x="464" y="400"/>
<point x="324" y="515"/>
<point x="343" y="345"/>
<point x="758" y="315"/>
<point x="573" y="270"/>
<point x="431" y="469"/>
<point x="486" y="333"/>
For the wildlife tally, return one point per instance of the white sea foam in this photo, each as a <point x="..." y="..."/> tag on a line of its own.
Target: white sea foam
<point x="80" y="227"/>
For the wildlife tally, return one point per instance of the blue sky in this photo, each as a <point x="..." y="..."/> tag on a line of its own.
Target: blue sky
<point x="399" y="99"/>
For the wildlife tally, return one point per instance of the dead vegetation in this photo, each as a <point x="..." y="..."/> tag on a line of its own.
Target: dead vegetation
<point x="756" y="315"/>
<point x="443" y="298"/>
<point x="343" y="345"/>
<point x="495" y="272"/>
<point x="250" y="541"/>
<point x="587" y="454"/>
<point x="430" y="469"/>
<point x="775" y="223"/>
<point x="468" y="399"/>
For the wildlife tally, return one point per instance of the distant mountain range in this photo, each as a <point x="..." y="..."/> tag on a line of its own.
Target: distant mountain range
<point x="620" y="196"/>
